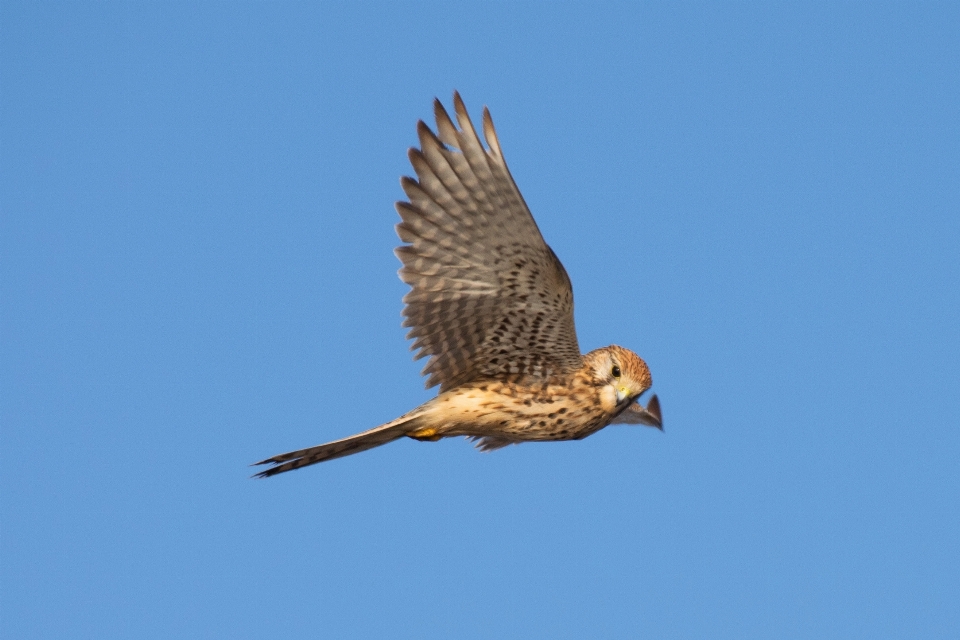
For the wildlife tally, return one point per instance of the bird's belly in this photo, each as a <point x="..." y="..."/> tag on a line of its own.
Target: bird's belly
<point x="519" y="417"/>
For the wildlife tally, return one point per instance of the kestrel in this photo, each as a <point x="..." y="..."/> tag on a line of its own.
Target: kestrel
<point x="491" y="307"/>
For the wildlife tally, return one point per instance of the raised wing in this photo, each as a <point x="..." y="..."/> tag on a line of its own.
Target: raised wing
<point x="489" y="298"/>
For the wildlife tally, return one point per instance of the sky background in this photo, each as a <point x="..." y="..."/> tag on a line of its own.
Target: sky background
<point x="762" y="200"/>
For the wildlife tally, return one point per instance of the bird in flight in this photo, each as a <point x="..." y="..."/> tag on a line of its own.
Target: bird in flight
<point x="491" y="307"/>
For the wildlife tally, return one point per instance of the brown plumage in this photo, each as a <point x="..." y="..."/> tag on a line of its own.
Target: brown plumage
<point x="491" y="307"/>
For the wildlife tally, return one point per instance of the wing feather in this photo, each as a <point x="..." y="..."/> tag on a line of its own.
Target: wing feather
<point x="488" y="297"/>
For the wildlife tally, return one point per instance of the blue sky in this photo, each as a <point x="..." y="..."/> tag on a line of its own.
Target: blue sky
<point x="763" y="200"/>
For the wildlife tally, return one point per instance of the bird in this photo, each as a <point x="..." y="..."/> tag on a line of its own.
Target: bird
<point x="491" y="308"/>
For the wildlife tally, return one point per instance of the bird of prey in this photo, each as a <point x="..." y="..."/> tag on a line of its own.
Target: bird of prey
<point x="491" y="307"/>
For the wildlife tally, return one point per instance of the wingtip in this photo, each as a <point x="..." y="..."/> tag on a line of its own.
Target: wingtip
<point x="447" y="132"/>
<point x="461" y="110"/>
<point x="490" y="132"/>
<point x="653" y="407"/>
<point x="439" y="111"/>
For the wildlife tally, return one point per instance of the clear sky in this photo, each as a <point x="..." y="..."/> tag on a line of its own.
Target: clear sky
<point x="762" y="200"/>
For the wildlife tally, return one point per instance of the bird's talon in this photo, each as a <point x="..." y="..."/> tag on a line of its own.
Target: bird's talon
<point x="426" y="434"/>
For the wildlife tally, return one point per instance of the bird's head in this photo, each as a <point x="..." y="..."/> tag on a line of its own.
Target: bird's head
<point x="622" y="377"/>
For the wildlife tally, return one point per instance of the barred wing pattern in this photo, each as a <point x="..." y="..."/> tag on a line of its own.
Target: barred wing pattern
<point x="488" y="297"/>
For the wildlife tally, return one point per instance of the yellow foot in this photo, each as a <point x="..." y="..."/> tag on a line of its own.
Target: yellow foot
<point x="426" y="434"/>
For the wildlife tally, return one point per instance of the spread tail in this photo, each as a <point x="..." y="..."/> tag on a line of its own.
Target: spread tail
<point x="338" y="448"/>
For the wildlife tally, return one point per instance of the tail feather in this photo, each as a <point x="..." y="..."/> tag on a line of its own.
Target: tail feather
<point x="338" y="448"/>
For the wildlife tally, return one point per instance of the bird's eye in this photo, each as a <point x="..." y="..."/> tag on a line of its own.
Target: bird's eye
<point x="616" y="371"/>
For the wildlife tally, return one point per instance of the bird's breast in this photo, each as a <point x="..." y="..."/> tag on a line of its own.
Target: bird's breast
<point x="519" y="412"/>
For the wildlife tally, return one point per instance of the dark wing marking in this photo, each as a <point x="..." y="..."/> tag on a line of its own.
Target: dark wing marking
<point x="488" y="297"/>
